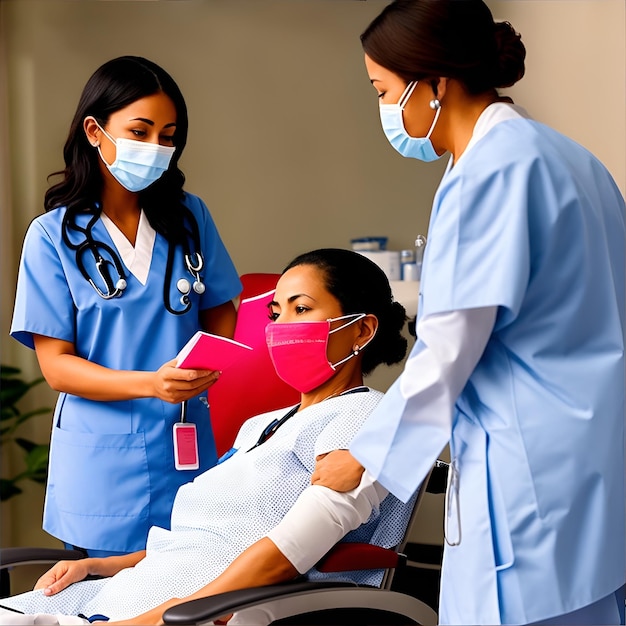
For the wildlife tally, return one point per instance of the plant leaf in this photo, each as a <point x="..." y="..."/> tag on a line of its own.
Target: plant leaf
<point x="25" y="444"/>
<point x="37" y="463"/>
<point x="6" y="371"/>
<point x="13" y="390"/>
<point x="8" y="489"/>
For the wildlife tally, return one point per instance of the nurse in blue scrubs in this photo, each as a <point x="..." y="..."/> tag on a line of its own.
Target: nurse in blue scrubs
<point x="519" y="358"/>
<point x="118" y="273"/>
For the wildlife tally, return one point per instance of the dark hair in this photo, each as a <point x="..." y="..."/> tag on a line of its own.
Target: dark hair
<point x="113" y="86"/>
<point x="420" y="39"/>
<point x="361" y="286"/>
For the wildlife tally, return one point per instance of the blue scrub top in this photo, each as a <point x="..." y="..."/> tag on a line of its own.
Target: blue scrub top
<point x="111" y="474"/>
<point x="530" y="222"/>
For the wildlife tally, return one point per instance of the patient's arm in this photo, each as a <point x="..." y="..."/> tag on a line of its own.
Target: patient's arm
<point x="321" y="517"/>
<point x="261" y="564"/>
<point x="64" y="573"/>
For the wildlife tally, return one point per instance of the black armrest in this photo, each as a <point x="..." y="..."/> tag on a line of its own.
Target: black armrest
<point x="283" y="602"/>
<point x="212" y="607"/>
<point x="10" y="557"/>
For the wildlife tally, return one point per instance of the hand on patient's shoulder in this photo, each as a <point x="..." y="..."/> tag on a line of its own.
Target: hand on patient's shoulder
<point x="337" y="470"/>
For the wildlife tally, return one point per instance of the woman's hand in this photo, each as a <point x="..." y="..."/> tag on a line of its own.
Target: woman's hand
<point x="66" y="372"/>
<point x="337" y="470"/>
<point x="175" y="385"/>
<point x="62" y="575"/>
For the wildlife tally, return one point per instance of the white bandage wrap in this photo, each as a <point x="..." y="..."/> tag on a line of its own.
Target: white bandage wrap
<point x="321" y="517"/>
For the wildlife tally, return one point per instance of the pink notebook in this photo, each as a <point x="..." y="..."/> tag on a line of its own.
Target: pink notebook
<point x="210" y="352"/>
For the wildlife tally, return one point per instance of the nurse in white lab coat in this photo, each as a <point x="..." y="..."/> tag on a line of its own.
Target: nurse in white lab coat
<point x="519" y="361"/>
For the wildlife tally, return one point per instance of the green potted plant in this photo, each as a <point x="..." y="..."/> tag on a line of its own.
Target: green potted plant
<point x="13" y="388"/>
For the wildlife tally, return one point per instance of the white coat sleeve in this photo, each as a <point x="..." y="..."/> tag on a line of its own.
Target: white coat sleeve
<point x="409" y="428"/>
<point x="321" y="517"/>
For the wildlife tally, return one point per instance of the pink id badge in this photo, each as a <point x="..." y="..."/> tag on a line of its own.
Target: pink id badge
<point x="185" y="446"/>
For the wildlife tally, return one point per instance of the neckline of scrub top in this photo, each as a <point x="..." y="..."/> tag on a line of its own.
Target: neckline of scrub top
<point x="137" y="259"/>
<point x="492" y="115"/>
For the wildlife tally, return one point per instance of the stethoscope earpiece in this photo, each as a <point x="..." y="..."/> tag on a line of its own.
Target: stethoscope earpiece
<point x="199" y="287"/>
<point x="121" y="284"/>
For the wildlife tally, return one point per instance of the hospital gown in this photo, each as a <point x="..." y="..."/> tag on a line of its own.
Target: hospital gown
<point x="529" y="223"/>
<point x="221" y="513"/>
<point x="112" y="472"/>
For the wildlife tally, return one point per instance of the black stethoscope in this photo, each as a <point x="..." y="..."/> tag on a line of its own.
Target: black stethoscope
<point x="194" y="262"/>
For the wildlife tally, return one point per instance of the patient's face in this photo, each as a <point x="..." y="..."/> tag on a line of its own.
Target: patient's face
<point x="301" y="296"/>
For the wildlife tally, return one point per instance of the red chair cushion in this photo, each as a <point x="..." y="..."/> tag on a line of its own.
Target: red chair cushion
<point x="347" y="557"/>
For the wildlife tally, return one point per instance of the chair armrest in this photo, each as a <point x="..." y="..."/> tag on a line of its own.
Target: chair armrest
<point x="11" y="557"/>
<point x="213" y="607"/>
<point x="288" y="600"/>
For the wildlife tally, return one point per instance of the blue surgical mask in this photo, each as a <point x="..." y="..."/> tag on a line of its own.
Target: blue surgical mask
<point x="137" y="163"/>
<point x="393" y="125"/>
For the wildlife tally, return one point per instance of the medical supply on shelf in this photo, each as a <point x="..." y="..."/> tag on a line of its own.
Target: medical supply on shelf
<point x="360" y="244"/>
<point x="387" y="260"/>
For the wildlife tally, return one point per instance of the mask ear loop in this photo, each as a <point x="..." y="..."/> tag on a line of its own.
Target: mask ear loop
<point x="357" y="317"/>
<point x="97" y="146"/>
<point x="407" y="93"/>
<point x="105" y="132"/>
<point x="357" y="348"/>
<point x="438" y="111"/>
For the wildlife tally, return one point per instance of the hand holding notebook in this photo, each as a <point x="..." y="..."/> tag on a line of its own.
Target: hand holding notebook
<point x="205" y="351"/>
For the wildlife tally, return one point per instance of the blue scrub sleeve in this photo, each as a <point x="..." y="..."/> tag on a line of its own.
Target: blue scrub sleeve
<point x="43" y="301"/>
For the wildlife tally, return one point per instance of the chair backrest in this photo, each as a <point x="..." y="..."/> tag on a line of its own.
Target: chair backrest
<point x="249" y="387"/>
<point x="370" y="554"/>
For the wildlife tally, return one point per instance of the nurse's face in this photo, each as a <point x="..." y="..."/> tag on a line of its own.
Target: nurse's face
<point x="151" y="119"/>
<point x="301" y="296"/>
<point x="417" y="114"/>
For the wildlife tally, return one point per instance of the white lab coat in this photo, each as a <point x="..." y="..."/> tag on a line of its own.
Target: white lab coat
<point x="529" y="222"/>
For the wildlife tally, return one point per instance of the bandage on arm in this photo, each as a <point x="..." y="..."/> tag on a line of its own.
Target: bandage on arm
<point x="321" y="517"/>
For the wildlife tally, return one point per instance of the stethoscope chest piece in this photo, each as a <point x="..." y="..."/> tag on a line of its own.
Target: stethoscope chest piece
<point x="194" y="263"/>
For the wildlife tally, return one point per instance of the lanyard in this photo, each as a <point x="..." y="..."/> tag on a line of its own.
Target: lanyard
<point x="275" y="424"/>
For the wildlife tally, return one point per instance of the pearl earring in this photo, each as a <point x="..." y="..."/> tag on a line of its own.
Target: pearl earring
<point x="435" y="104"/>
<point x="356" y="350"/>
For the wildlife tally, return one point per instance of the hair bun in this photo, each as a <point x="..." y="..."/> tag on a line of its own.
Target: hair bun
<point x="510" y="56"/>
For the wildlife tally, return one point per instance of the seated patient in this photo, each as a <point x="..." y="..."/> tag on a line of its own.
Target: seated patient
<point x="333" y="321"/>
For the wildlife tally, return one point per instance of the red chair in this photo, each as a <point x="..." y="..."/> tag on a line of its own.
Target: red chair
<point x="249" y="387"/>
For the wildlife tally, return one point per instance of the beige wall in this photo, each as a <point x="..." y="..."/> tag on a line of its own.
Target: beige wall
<point x="285" y="145"/>
<point x="575" y="71"/>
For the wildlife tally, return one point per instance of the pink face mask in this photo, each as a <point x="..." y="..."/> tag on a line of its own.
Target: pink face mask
<point x="298" y="351"/>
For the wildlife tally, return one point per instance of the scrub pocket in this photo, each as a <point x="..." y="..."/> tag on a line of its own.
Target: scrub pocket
<point x="99" y="475"/>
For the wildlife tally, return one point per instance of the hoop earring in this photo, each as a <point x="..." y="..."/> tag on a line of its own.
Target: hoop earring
<point x="435" y="104"/>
